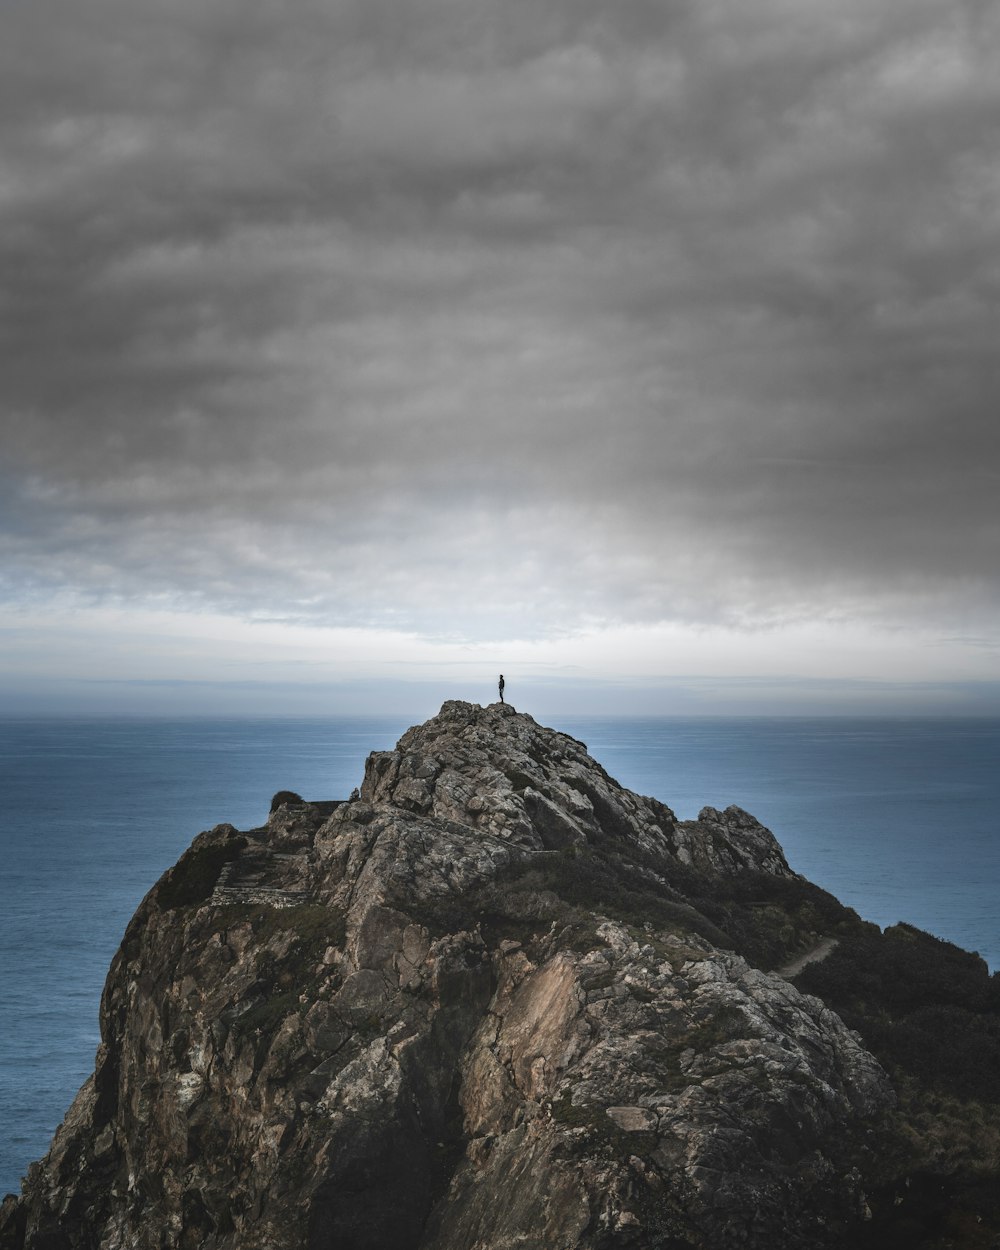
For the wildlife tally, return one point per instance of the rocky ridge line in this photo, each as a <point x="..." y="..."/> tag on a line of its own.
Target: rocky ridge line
<point x="392" y="1023"/>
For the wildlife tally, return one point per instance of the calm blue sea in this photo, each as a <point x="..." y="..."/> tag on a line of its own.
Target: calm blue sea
<point x="899" y="819"/>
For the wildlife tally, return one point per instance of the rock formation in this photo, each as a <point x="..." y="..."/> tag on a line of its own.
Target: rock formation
<point x="494" y="1001"/>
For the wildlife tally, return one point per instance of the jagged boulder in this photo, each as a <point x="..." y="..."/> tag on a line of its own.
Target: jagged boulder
<point x="487" y="1003"/>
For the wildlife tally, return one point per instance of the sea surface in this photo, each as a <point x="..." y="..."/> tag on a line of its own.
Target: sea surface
<point x="899" y="819"/>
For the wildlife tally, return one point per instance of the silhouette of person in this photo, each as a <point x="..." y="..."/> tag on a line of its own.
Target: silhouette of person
<point x="501" y="687"/>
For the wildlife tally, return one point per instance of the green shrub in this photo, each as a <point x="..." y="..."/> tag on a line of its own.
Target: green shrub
<point x="601" y="1130"/>
<point x="923" y="1006"/>
<point x="313" y="926"/>
<point x="193" y="877"/>
<point x="286" y="798"/>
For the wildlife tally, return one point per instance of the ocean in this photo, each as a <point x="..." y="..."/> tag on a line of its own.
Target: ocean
<point x="899" y="819"/>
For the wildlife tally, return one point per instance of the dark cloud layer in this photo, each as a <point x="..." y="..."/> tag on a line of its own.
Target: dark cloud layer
<point x="501" y="318"/>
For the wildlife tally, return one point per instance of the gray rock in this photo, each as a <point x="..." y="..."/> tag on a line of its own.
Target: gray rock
<point x="386" y="1028"/>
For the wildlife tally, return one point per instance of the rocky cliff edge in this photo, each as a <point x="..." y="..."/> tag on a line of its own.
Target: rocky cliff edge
<point x="493" y="1000"/>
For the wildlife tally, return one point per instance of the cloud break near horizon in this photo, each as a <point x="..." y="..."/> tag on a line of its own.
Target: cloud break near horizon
<point x="624" y="347"/>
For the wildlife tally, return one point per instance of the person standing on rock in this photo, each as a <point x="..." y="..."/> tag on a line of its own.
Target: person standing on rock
<point x="501" y="687"/>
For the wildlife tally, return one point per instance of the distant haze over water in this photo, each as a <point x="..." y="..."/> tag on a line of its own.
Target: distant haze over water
<point x="897" y="818"/>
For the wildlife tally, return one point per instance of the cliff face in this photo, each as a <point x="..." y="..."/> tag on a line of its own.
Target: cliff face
<point x="487" y="1003"/>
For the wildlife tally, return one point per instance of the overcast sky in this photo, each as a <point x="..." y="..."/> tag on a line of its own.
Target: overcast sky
<point x="634" y="346"/>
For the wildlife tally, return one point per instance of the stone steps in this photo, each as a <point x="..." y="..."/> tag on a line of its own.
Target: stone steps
<point x="245" y="880"/>
<point x="227" y="895"/>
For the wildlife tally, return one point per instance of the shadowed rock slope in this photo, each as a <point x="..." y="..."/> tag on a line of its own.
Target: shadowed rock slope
<point x="498" y="1001"/>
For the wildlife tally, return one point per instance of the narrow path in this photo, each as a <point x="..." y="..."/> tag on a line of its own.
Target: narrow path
<point x="795" y="966"/>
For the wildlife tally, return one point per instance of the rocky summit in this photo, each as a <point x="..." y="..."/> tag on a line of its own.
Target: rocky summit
<point x="495" y="1000"/>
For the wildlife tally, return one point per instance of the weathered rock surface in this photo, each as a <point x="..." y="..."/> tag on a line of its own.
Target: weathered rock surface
<point x="430" y="1017"/>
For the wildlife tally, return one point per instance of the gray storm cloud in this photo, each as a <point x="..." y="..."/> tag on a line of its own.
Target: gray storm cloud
<point x="495" y="319"/>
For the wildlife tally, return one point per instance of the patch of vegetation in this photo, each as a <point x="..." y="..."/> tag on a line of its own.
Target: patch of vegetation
<point x="193" y="878"/>
<point x="578" y="932"/>
<point x="601" y="1130"/>
<point x="929" y="1211"/>
<point x="282" y="974"/>
<point x="725" y="1024"/>
<point x="313" y="927"/>
<point x="446" y="913"/>
<point x="929" y="1123"/>
<point x="286" y="798"/>
<point x="767" y="919"/>
<point x="606" y="881"/>
<point x="926" y="1008"/>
